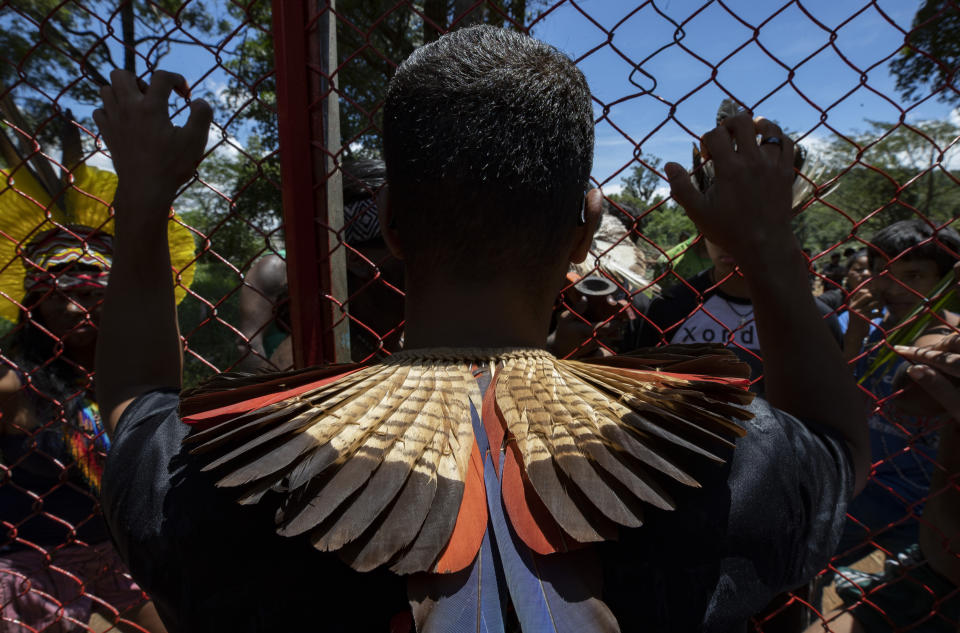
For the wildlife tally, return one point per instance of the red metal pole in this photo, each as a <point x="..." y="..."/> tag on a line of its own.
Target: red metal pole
<point x="302" y="203"/>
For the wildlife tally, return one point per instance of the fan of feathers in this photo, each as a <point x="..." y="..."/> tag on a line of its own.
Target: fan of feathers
<point x="380" y="463"/>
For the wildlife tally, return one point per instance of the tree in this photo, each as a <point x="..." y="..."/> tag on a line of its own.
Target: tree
<point x="67" y="50"/>
<point x="373" y="37"/>
<point x="931" y="55"/>
<point x="890" y="172"/>
<point x="643" y="190"/>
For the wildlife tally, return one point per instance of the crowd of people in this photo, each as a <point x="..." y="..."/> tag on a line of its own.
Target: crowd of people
<point x="459" y="244"/>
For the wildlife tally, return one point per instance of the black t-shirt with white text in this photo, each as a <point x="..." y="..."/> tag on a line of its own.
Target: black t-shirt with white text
<point x="697" y="312"/>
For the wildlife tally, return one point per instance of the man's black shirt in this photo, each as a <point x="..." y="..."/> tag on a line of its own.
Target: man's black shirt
<point x="763" y="523"/>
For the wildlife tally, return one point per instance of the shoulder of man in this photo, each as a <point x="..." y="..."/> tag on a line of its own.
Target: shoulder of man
<point x="762" y="523"/>
<point x="666" y="312"/>
<point x="830" y="316"/>
<point x="183" y="538"/>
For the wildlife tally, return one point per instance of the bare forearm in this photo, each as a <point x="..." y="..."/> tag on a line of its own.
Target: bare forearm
<point x="805" y="373"/>
<point x="138" y="348"/>
<point x="746" y="211"/>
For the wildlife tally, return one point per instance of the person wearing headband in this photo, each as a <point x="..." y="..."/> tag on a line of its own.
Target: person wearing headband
<point x="374" y="284"/>
<point x="58" y="569"/>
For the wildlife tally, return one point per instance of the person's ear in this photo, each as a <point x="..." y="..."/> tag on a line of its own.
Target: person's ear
<point x="593" y="211"/>
<point x="388" y="223"/>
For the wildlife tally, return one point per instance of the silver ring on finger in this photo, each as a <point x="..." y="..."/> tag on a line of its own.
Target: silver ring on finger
<point x="772" y="140"/>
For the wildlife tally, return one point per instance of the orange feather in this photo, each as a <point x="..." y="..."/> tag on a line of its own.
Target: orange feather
<point x="213" y="416"/>
<point x="742" y="383"/>
<point x="471" y="521"/>
<point x="529" y="517"/>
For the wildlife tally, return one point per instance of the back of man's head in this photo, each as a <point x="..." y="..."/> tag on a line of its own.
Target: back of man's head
<point x="488" y="139"/>
<point x="914" y="239"/>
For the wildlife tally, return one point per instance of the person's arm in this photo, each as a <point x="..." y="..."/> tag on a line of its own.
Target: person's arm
<point x="138" y="348"/>
<point x="262" y="287"/>
<point x="940" y="528"/>
<point x="863" y="307"/>
<point x="747" y="213"/>
<point x="936" y="372"/>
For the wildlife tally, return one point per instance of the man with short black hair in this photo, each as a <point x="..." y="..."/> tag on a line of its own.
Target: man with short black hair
<point x="834" y="270"/>
<point x="908" y="259"/>
<point x="473" y="481"/>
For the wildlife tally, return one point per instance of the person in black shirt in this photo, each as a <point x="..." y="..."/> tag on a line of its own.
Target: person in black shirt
<point x="836" y="297"/>
<point x="488" y="145"/>
<point x="713" y="306"/>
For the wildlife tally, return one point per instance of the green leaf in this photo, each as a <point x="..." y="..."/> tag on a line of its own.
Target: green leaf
<point x="909" y="329"/>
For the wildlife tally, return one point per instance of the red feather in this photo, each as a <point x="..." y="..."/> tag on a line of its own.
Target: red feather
<point x="256" y="396"/>
<point x="529" y="517"/>
<point x="471" y="521"/>
<point x="742" y="383"/>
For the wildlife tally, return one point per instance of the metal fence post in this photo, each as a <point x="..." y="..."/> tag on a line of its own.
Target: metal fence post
<point x="308" y="122"/>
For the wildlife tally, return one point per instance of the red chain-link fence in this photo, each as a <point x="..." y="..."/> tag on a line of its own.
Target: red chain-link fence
<point x="280" y="261"/>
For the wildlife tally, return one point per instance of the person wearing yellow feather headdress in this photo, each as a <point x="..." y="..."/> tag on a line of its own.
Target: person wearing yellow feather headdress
<point x="473" y="481"/>
<point x="55" y="258"/>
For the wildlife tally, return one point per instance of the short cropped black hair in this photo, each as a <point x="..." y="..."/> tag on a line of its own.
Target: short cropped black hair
<point x="917" y="240"/>
<point x="488" y="140"/>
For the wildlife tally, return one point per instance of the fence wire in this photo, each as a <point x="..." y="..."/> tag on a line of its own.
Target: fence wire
<point x="281" y="262"/>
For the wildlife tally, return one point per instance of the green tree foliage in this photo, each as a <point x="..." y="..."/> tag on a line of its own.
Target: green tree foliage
<point x="373" y="37"/>
<point x="931" y="55"/>
<point x="888" y="173"/>
<point x="237" y="209"/>
<point x="65" y="49"/>
<point x="667" y="224"/>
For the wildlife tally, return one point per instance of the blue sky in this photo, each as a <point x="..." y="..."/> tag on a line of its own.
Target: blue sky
<point x="639" y="112"/>
<point x="864" y="37"/>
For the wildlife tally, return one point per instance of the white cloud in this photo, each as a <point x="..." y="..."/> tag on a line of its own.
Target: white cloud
<point x="612" y="189"/>
<point x="101" y="161"/>
<point x="815" y="143"/>
<point x="227" y="146"/>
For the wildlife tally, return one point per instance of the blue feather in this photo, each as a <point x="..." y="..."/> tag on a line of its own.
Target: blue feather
<point x="471" y="600"/>
<point x="560" y="592"/>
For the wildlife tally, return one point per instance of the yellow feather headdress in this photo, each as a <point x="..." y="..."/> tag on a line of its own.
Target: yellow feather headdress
<point x="27" y="210"/>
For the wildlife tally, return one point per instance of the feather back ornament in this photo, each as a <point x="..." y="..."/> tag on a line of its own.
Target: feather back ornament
<point x="381" y="463"/>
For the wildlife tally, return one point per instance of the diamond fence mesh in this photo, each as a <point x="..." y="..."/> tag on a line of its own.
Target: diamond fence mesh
<point x="280" y="262"/>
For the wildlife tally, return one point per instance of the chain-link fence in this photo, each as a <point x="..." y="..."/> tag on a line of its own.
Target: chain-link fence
<point x="281" y="262"/>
